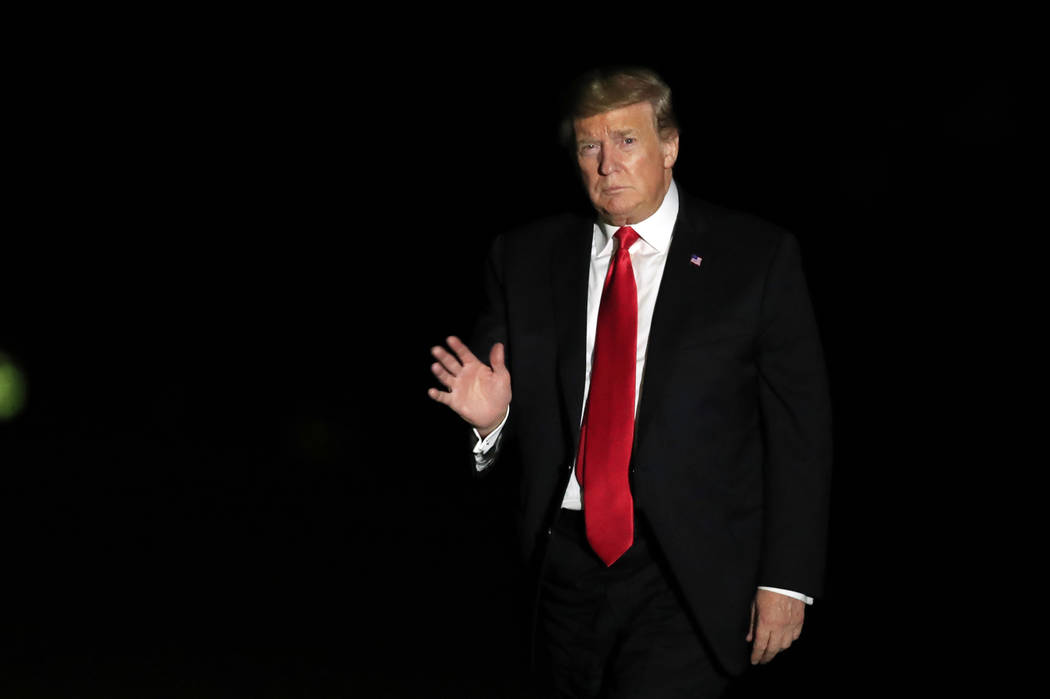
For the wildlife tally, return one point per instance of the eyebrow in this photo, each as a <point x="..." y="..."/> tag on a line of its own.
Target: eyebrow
<point x="619" y="133"/>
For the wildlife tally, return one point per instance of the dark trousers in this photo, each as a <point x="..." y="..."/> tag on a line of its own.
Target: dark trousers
<point x="619" y="631"/>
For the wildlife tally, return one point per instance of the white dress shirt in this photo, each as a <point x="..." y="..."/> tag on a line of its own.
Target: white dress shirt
<point x="648" y="255"/>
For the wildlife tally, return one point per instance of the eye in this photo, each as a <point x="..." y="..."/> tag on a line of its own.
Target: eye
<point x="629" y="140"/>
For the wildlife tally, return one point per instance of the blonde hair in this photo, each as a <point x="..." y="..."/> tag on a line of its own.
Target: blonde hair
<point x="604" y="89"/>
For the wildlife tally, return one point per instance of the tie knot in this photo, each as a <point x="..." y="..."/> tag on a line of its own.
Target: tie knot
<point x="626" y="237"/>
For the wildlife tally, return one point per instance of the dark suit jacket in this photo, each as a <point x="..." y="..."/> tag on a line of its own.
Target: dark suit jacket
<point x="732" y="454"/>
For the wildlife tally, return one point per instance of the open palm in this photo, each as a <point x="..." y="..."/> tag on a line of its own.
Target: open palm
<point x="477" y="392"/>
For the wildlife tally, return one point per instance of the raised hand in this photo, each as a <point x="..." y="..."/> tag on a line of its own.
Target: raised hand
<point x="477" y="393"/>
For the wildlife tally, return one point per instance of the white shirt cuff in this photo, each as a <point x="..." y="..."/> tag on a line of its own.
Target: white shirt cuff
<point x="484" y="453"/>
<point x="789" y="593"/>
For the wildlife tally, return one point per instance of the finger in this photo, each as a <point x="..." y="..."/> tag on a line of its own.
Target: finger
<point x="442" y="375"/>
<point x="758" y="650"/>
<point x="497" y="357"/>
<point x="462" y="351"/>
<point x="751" y="625"/>
<point x="769" y="653"/>
<point x="758" y="653"/>
<point x="450" y="363"/>
<point x="778" y="642"/>
<point x="440" y="396"/>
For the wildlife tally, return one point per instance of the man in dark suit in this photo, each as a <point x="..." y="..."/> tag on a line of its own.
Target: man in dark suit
<point x="670" y="413"/>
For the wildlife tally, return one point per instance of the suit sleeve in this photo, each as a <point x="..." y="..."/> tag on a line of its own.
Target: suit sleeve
<point x="796" y="422"/>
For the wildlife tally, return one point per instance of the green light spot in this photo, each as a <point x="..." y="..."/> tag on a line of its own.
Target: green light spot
<point x="12" y="389"/>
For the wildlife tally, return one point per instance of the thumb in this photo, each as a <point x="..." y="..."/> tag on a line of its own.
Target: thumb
<point x="497" y="357"/>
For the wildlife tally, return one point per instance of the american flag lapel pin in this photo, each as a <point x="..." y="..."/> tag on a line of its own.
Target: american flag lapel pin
<point x="696" y="260"/>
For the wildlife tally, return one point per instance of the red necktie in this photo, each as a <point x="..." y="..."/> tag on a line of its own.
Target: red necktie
<point x="608" y="424"/>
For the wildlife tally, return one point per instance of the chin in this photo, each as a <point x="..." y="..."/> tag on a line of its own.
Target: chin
<point x="617" y="210"/>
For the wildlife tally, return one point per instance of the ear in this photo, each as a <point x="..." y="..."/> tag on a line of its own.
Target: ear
<point x="669" y="146"/>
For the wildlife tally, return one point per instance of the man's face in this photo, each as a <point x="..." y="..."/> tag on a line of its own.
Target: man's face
<point x="626" y="166"/>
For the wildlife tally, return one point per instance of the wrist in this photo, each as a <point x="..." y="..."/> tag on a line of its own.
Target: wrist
<point x="489" y="429"/>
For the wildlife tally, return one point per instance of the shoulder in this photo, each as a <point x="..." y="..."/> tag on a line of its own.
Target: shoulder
<point x="531" y="243"/>
<point x="547" y="231"/>
<point x="745" y="238"/>
<point x="731" y="227"/>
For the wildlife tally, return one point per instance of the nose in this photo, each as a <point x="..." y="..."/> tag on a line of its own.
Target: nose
<point x="608" y="161"/>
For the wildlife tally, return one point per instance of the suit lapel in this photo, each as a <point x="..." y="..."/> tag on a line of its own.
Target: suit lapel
<point x="569" y="281"/>
<point x="675" y="302"/>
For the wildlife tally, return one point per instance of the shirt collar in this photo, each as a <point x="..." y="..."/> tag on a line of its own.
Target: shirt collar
<point x="655" y="230"/>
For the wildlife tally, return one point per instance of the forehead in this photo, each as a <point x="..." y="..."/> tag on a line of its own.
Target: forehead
<point x="634" y="117"/>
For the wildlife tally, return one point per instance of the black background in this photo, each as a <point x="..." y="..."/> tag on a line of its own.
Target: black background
<point x="231" y="242"/>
